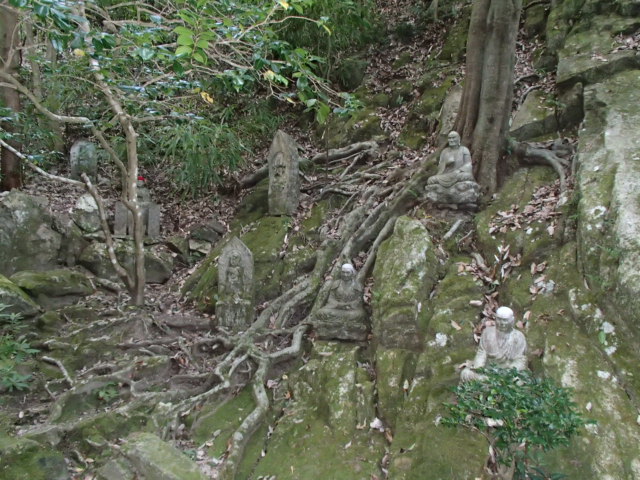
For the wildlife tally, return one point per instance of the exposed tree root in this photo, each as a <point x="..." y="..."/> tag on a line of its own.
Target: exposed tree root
<point x="201" y="368"/>
<point x="362" y="148"/>
<point x="552" y="155"/>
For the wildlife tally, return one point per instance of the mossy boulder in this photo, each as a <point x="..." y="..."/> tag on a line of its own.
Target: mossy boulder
<point x="566" y="344"/>
<point x="215" y="422"/>
<point x="425" y="112"/>
<point x="535" y="20"/>
<point x="405" y="272"/>
<point x="541" y="115"/>
<point x="16" y="300"/>
<point x="327" y="422"/>
<point x="576" y="58"/>
<point x="362" y="125"/>
<point x="532" y="240"/>
<point x="350" y="72"/>
<point x="28" y="239"/>
<point x="54" y="287"/>
<point x="455" y="42"/>
<point x="253" y="206"/>
<point x="153" y="458"/>
<point x="158" y="262"/>
<point x="24" y="459"/>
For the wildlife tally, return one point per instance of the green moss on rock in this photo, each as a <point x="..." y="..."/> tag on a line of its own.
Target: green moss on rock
<point x="52" y="284"/>
<point x="325" y="421"/>
<point x="15" y="299"/>
<point x="154" y="458"/>
<point x="23" y="459"/>
<point x="532" y="241"/>
<point x="405" y="272"/>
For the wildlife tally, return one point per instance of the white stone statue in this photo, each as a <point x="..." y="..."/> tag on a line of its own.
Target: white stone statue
<point x="454" y="183"/>
<point x="455" y="164"/>
<point x="500" y="345"/>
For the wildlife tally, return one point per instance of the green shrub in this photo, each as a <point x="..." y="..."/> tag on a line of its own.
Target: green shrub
<point x="198" y="154"/>
<point x="14" y="350"/>
<point x="518" y="414"/>
<point x="352" y="23"/>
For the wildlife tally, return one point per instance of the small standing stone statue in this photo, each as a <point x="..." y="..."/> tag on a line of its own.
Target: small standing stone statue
<point x="234" y="308"/>
<point x="344" y="316"/>
<point x="454" y="184"/>
<point x="500" y="345"/>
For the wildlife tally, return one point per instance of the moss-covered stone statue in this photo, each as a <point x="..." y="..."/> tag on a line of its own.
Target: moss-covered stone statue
<point x="454" y="185"/>
<point x="500" y="345"/>
<point x="235" y="305"/>
<point x="344" y="316"/>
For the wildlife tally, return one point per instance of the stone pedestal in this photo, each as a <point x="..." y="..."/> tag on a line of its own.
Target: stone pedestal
<point x="334" y="324"/>
<point x="462" y="195"/>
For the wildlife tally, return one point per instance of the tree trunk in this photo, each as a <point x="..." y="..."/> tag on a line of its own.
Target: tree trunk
<point x="485" y="109"/>
<point x="10" y="168"/>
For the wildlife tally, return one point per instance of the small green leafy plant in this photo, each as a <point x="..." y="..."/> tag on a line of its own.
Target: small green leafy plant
<point x="14" y="350"/>
<point x="519" y="415"/>
<point x="108" y="392"/>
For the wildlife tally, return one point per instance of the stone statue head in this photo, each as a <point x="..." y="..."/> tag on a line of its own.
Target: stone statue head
<point x="347" y="271"/>
<point x="234" y="259"/>
<point x="504" y="319"/>
<point x="454" y="139"/>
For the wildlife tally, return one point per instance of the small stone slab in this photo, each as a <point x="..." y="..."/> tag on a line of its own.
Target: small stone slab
<point x="153" y="220"/>
<point x="120" y="221"/>
<point x="83" y="158"/>
<point x="155" y="459"/>
<point x="123" y="220"/>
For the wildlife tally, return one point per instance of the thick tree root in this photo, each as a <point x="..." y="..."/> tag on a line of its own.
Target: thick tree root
<point x="552" y="155"/>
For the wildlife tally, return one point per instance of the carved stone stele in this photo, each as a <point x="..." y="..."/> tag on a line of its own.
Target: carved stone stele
<point x="284" y="183"/>
<point x="235" y="305"/>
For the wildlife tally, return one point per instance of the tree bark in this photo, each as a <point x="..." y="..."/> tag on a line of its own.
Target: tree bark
<point x="485" y="109"/>
<point x="10" y="167"/>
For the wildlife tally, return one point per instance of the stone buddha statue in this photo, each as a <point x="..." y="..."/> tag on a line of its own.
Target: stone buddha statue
<point x="454" y="184"/>
<point x="343" y="317"/>
<point x="500" y="345"/>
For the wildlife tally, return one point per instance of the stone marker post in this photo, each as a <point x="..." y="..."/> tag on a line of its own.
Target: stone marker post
<point x="83" y="158"/>
<point x="123" y="221"/>
<point x="284" y="184"/>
